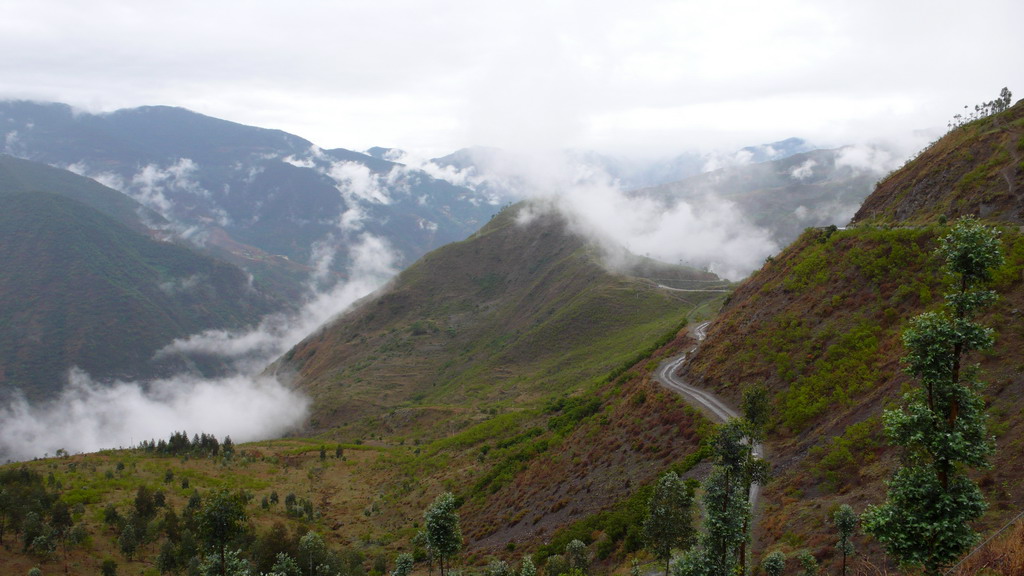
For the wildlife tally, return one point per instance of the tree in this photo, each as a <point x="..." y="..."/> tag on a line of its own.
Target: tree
<point x="109" y="567"/>
<point x="285" y="565"/>
<point x="846" y="523"/>
<point x="527" y="568"/>
<point x="127" y="542"/>
<point x="312" y="552"/>
<point x="498" y="567"/>
<point x="444" y="536"/>
<point x="774" y="564"/>
<point x="756" y="411"/>
<point x="726" y="501"/>
<point x="403" y="565"/>
<point x="941" y="428"/>
<point x="220" y="520"/>
<point x="576" y="557"/>
<point x="668" y="524"/>
<point x="808" y="563"/>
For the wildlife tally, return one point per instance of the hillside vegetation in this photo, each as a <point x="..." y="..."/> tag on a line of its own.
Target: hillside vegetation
<point x="511" y="369"/>
<point x="820" y="325"/>
<point x="72" y="273"/>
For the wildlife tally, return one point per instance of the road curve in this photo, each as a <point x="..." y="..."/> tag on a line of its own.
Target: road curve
<point x="719" y="410"/>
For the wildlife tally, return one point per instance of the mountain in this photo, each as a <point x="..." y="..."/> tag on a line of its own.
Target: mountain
<point x="249" y="195"/>
<point x="88" y="288"/>
<point x="18" y="175"/>
<point x="806" y="189"/>
<point x="496" y="170"/>
<point x="523" y="304"/>
<point x="517" y="344"/>
<point x="821" y="324"/>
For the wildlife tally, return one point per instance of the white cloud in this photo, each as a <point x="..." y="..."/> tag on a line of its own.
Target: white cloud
<point x="373" y="263"/>
<point x="357" y="182"/>
<point x="804" y="171"/>
<point x="712" y="233"/>
<point x="867" y="157"/>
<point x="88" y="416"/>
<point x="653" y="74"/>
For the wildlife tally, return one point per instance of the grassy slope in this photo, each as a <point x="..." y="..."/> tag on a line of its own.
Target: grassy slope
<point x="71" y="272"/>
<point x="510" y="368"/>
<point x="821" y="325"/>
<point x="502" y="320"/>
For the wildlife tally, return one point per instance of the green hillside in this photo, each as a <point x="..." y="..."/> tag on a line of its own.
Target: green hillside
<point x="80" y="289"/>
<point x="821" y="325"/>
<point x="503" y="320"/>
<point x="17" y="175"/>
<point x="511" y="369"/>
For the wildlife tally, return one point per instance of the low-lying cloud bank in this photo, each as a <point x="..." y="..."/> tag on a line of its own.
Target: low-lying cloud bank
<point x="88" y="415"/>
<point x="711" y="233"/>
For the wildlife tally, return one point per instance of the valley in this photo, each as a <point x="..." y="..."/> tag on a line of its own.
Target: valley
<point x="543" y="376"/>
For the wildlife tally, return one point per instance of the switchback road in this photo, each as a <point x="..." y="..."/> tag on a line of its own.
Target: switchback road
<point x="718" y="409"/>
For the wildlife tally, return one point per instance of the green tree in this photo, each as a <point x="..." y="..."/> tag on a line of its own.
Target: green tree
<point x="808" y="563"/>
<point x="498" y="567"/>
<point x="444" y="536"/>
<point x="109" y="567"/>
<point x="312" y="552"/>
<point x="403" y="565"/>
<point x="726" y="504"/>
<point x="128" y="542"/>
<point x="756" y="411"/>
<point x="576" y="557"/>
<point x="846" y="523"/>
<point x="669" y="523"/>
<point x="220" y="520"/>
<point x="285" y="565"/>
<point x="527" y="568"/>
<point x="941" y="427"/>
<point x="556" y="565"/>
<point x="774" y="564"/>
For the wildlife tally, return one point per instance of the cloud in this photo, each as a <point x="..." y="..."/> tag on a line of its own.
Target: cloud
<point x="711" y="233"/>
<point x="373" y="263"/>
<point x="868" y="158"/>
<point x="804" y="171"/>
<point x="88" y="416"/>
<point x="247" y="405"/>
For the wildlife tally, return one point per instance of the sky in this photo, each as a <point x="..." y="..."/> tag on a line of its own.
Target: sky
<point x="644" y="77"/>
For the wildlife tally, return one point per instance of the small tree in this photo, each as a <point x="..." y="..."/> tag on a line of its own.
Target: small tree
<point x="109" y="567"/>
<point x="931" y="501"/>
<point x="576" y="557"/>
<point x="498" y="567"/>
<point x="774" y="564"/>
<point x="444" y="536"/>
<point x="127" y="541"/>
<point x="403" y="565"/>
<point x="846" y="523"/>
<point x="527" y="568"/>
<point x="669" y="523"/>
<point x="220" y="520"/>
<point x="808" y="563"/>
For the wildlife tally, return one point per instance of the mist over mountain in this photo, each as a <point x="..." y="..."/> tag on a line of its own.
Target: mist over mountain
<point x="248" y="194"/>
<point x="82" y="289"/>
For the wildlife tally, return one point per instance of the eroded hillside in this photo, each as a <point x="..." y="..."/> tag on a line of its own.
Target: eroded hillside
<point x="820" y="324"/>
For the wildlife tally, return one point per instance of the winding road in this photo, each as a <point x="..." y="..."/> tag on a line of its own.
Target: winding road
<point x="718" y="409"/>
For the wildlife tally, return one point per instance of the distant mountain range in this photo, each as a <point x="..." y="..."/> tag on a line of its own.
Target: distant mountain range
<point x="244" y="193"/>
<point x="289" y="214"/>
<point x="85" y="285"/>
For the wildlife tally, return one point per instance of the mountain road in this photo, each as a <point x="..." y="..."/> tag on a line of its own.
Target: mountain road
<point x="713" y="405"/>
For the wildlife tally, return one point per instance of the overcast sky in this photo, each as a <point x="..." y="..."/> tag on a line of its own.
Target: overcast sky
<point x="642" y="76"/>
